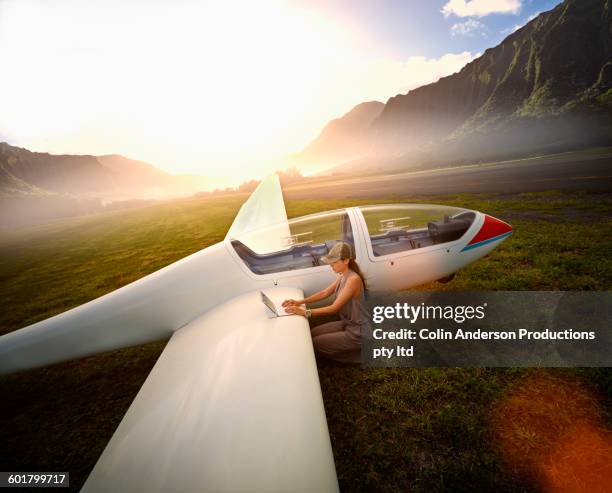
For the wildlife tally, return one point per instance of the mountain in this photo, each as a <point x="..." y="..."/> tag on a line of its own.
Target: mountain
<point x="37" y="187"/>
<point x="341" y="139"/>
<point x="129" y="174"/>
<point x="29" y="172"/>
<point x="11" y="185"/>
<point x="107" y="177"/>
<point x="546" y="87"/>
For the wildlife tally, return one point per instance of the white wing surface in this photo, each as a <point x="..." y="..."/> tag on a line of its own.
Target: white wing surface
<point x="232" y="405"/>
<point x="148" y="309"/>
<point x="265" y="209"/>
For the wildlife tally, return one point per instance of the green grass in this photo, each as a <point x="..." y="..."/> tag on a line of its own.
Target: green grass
<point x="47" y="269"/>
<point x="391" y="429"/>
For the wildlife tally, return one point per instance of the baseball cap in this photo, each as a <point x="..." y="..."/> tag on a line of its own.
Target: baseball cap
<point x="339" y="251"/>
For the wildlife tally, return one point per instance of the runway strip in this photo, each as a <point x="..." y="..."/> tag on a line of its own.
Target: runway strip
<point x="570" y="171"/>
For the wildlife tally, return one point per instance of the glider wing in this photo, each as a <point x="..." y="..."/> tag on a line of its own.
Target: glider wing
<point x="232" y="404"/>
<point x="154" y="306"/>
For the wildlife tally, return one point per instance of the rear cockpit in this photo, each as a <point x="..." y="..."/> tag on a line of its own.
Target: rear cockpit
<point x="303" y="241"/>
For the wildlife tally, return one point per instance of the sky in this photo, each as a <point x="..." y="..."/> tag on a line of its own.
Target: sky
<point x="226" y="88"/>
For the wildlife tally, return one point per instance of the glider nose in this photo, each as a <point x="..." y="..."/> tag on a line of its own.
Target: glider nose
<point x="496" y="227"/>
<point x="492" y="229"/>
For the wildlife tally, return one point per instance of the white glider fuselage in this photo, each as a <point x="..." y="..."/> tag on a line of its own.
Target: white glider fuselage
<point x="391" y="257"/>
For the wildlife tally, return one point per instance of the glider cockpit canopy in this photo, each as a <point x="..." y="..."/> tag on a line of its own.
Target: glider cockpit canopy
<point x="391" y="229"/>
<point x="303" y="241"/>
<point x="268" y="242"/>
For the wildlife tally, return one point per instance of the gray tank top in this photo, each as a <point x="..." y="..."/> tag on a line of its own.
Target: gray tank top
<point x="353" y="313"/>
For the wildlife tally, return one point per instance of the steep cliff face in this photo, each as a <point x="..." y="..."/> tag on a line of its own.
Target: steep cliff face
<point x="541" y="82"/>
<point x="62" y="174"/>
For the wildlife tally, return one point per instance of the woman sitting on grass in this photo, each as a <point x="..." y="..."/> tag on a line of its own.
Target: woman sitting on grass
<point x="339" y="340"/>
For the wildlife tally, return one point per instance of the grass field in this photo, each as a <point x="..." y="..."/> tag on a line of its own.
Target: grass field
<point x="391" y="429"/>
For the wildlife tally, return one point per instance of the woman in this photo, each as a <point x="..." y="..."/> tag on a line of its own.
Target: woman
<point x="340" y="340"/>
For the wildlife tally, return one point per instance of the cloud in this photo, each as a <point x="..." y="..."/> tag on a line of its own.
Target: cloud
<point x="419" y="70"/>
<point x="516" y="27"/>
<point x="470" y="27"/>
<point x="480" y="8"/>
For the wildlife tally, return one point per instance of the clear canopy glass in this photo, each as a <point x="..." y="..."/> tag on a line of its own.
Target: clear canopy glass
<point x="298" y="244"/>
<point x="397" y="228"/>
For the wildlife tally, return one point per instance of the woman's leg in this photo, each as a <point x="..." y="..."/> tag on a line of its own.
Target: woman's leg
<point x="327" y="328"/>
<point x="339" y="346"/>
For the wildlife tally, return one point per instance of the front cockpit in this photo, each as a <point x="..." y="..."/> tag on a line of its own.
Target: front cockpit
<point x="399" y="228"/>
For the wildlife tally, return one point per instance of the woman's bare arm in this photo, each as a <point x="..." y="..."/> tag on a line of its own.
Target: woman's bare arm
<point x="321" y="295"/>
<point x="352" y="286"/>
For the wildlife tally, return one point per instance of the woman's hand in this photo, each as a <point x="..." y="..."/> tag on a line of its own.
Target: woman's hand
<point x="288" y="303"/>
<point x="295" y="309"/>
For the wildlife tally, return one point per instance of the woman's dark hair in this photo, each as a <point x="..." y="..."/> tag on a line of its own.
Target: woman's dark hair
<point x="355" y="268"/>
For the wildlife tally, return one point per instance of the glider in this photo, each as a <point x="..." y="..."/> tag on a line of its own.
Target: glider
<point x="234" y="402"/>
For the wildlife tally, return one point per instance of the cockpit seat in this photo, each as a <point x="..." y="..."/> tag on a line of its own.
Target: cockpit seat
<point x="297" y="257"/>
<point x="448" y="230"/>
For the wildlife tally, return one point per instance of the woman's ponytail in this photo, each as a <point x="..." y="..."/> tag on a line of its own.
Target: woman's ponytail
<point x="355" y="268"/>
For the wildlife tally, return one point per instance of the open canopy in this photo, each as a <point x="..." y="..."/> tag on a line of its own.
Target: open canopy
<point x="265" y="209"/>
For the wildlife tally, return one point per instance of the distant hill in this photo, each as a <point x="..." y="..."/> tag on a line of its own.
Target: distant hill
<point x="547" y="87"/>
<point x="341" y="139"/>
<point x="106" y="177"/>
<point x="129" y="174"/>
<point x="11" y="185"/>
<point x="37" y="187"/>
<point x="30" y="172"/>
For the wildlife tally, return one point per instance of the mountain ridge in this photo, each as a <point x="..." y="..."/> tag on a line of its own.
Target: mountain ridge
<point x="546" y="87"/>
<point x="24" y="172"/>
<point x="341" y="138"/>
